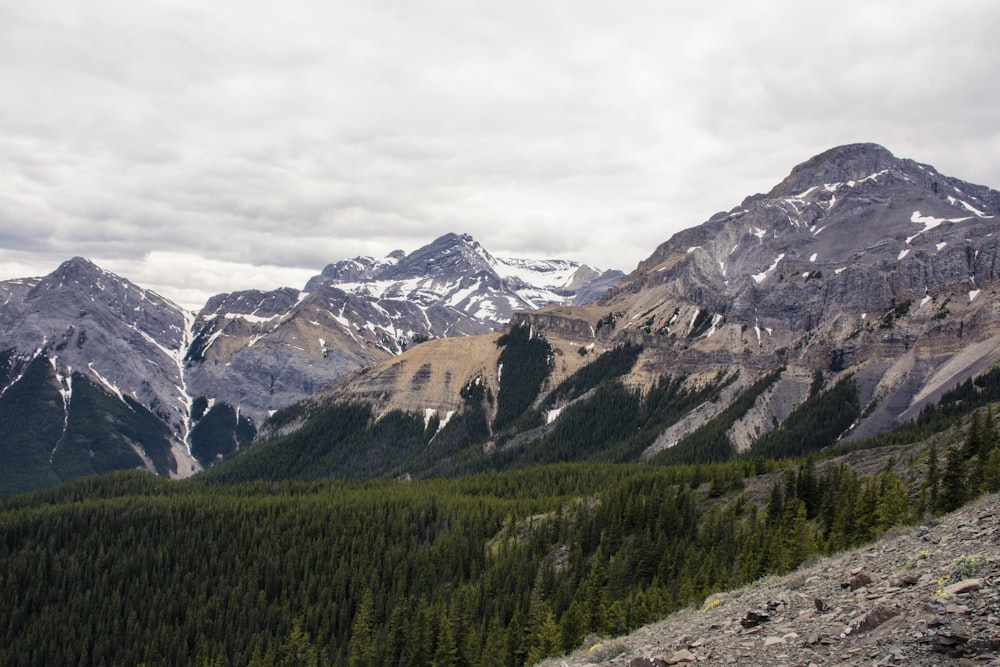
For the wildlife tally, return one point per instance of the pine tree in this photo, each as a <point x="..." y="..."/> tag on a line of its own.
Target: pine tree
<point x="543" y="633"/>
<point x="298" y="650"/>
<point x="893" y="503"/>
<point x="991" y="475"/>
<point x="361" y="647"/>
<point x="933" y="481"/>
<point x="446" y="652"/>
<point x="953" y="492"/>
<point x="572" y="626"/>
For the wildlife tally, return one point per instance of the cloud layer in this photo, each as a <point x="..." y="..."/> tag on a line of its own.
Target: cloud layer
<point x="192" y="146"/>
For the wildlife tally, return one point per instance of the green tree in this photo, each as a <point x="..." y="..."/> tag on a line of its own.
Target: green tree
<point x="953" y="492"/>
<point x="933" y="481"/>
<point x="297" y="650"/>
<point x="543" y="633"/>
<point x="893" y="504"/>
<point x="991" y="474"/>
<point x="572" y="626"/>
<point x="446" y="652"/>
<point x="361" y="650"/>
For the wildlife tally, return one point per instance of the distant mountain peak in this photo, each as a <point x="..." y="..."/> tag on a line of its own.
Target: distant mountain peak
<point x="851" y="162"/>
<point x="77" y="266"/>
<point x="450" y="253"/>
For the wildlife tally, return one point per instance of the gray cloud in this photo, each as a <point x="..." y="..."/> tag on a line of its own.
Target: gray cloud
<point x="266" y="140"/>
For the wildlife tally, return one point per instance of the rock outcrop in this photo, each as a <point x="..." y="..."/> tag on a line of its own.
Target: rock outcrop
<point x="926" y="596"/>
<point x="857" y="264"/>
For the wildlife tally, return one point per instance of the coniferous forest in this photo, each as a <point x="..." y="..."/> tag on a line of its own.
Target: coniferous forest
<point x="312" y="550"/>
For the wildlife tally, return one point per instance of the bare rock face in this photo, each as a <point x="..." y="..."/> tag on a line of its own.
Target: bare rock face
<point x="87" y="320"/>
<point x="210" y="379"/>
<point x="858" y="266"/>
<point x="264" y="351"/>
<point x="858" y="262"/>
<point x="94" y="327"/>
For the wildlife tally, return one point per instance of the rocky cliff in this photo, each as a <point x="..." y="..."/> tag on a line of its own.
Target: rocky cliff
<point x="858" y="265"/>
<point x="203" y="382"/>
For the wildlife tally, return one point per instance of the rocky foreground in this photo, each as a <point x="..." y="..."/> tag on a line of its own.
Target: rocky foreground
<point x="927" y="595"/>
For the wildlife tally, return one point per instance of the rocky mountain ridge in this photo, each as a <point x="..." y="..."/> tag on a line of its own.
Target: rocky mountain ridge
<point x="210" y="378"/>
<point x="927" y="595"/>
<point x="859" y="266"/>
<point x="263" y="351"/>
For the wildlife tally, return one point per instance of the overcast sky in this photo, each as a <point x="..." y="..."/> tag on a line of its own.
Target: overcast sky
<point x="198" y="147"/>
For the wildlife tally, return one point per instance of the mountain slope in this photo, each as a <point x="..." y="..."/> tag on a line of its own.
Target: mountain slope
<point x="179" y="391"/>
<point x="930" y="597"/>
<point x="263" y="351"/>
<point x="862" y="284"/>
<point x="93" y="379"/>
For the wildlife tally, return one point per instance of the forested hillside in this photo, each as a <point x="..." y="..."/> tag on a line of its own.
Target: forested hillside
<point x="496" y="568"/>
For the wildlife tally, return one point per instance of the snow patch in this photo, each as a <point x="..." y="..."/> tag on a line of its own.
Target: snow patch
<point x="107" y="383"/>
<point x="715" y="322"/>
<point x="812" y="257"/>
<point x="759" y="277"/>
<point x="447" y="418"/>
<point x="552" y="415"/>
<point x="973" y="294"/>
<point x="929" y="222"/>
<point x="902" y="254"/>
<point x="967" y="206"/>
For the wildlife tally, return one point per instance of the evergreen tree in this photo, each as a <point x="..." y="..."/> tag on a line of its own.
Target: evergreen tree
<point x="991" y="475"/>
<point x="953" y="492"/>
<point x="361" y="650"/>
<point x="446" y="652"/>
<point x="543" y="633"/>
<point x="933" y="481"/>
<point x="893" y="503"/>
<point x="298" y="650"/>
<point x="572" y="626"/>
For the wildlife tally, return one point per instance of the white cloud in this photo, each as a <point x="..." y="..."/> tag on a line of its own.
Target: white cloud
<point x="291" y="135"/>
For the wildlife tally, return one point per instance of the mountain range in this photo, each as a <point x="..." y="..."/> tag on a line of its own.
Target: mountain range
<point x="833" y="308"/>
<point x="97" y="373"/>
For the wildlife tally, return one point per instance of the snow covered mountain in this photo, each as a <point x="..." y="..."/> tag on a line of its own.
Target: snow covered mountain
<point x="91" y="378"/>
<point x="263" y="351"/>
<point x="861" y="273"/>
<point x="79" y="344"/>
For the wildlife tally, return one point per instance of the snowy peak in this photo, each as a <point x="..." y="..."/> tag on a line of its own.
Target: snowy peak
<point x="90" y="324"/>
<point x="251" y="304"/>
<point x="451" y="265"/>
<point x="855" y="249"/>
<point x="855" y="207"/>
<point x="265" y="350"/>
<point x="357" y="269"/>
<point x="843" y="164"/>
<point x="446" y="257"/>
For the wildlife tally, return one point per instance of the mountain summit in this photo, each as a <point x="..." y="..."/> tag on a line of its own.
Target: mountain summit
<point x="863" y="280"/>
<point x="116" y="376"/>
